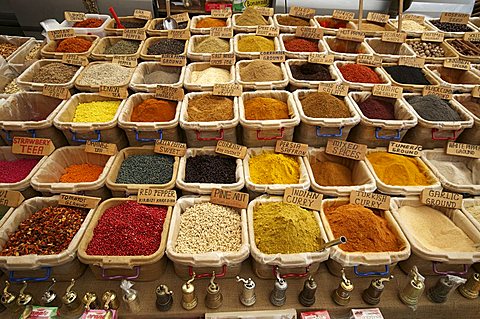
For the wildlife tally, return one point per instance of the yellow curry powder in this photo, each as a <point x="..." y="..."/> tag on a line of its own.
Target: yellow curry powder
<point x="282" y="228"/>
<point x="271" y="168"/>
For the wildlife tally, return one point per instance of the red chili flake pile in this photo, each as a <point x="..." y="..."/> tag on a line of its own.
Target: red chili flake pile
<point x="129" y="229"/>
<point x="48" y="231"/>
<point x="15" y="171"/>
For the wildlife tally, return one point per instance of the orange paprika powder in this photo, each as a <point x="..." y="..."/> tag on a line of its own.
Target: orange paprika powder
<point x="73" y="45"/>
<point x="359" y="73"/>
<point x="154" y="110"/>
<point x="81" y="173"/>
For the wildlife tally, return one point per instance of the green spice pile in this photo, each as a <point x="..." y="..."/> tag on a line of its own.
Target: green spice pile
<point x="167" y="46"/>
<point x="123" y="47"/>
<point x="105" y="74"/>
<point x="146" y="169"/>
<point x="55" y="72"/>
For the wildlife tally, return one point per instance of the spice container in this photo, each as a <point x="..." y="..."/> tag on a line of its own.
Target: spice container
<point x="207" y="119"/>
<point x="93" y="24"/>
<point x="64" y="265"/>
<point x="201" y="47"/>
<point x="30" y="114"/>
<point x="376" y="130"/>
<point x="388" y="51"/>
<point x="141" y="171"/>
<point x="80" y="123"/>
<point x="148" y="75"/>
<point x="261" y="75"/>
<point x="457" y="80"/>
<point x="249" y="46"/>
<point x="323" y="116"/>
<point x="96" y="74"/>
<point x="130" y="22"/>
<point x="272" y="173"/>
<point x="72" y="170"/>
<point x="371" y="29"/>
<point x="346" y="50"/>
<point x="201" y="170"/>
<point x="223" y="227"/>
<point x="423" y="49"/>
<point x="288" y="24"/>
<point x="399" y="174"/>
<point x="155" y="47"/>
<point x="21" y="59"/>
<point x="361" y="80"/>
<point x="155" y="27"/>
<point x="467" y="50"/>
<point x="249" y="24"/>
<point x="304" y="255"/>
<point x="202" y="76"/>
<point x="471" y="106"/>
<point x="412" y="28"/>
<point x="109" y="47"/>
<point x="329" y="25"/>
<point x="408" y="77"/>
<point x="439" y="121"/>
<point x="375" y="242"/>
<point x="337" y="176"/>
<point x="198" y="27"/>
<point x="303" y="74"/>
<point x="149" y="129"/>
<point x="49" y="51"/>
<point x="12" y="44"/>
<point x="143" y="266"/>
<point x="302" y="47"/>
<point x="450" y="30"/>
<point x="442" y="239"/>
<point x="471" y="209"/>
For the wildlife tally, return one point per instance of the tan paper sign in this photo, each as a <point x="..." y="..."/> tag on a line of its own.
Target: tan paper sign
<point x="370" y="60"/>
<point x="264" y="11"/>
<point x="309" y="33"/>
<point x="227" y="89"/>
<point x="454" y="17"/>
<point x="412" y="61"/>
<point x="414" y="17"/>
<point x="291" y="148"/>
<point x="432" y="36"/>
<point x="221" y="13"/>
<point x="267" y="31"/>
<point x="170" y="148"/>
<point x="394" y="92"/>
<point x="71" y="16"/>
<point x="222" y="59"/>
<point x="229" y="198"/>
<point x="118" y="92"/>
<point x="169" y="93"/>
<point x="231" y="149"/>
<point x="78" y="201"/>
<point x="443" y="199"/>
<point x="303" y="198"/>
<point x="334" y="88"/>
<point x="472" y="36"/>
<point x="343" y="15"/>
<point x="320" y="58"/>
<point x="180" y="34"/>
<point x="142" y="14"/>
<point x="405" y="149"/>
<point x="395" y="37"/>
<point x="61" y="34"/>
<point x="346" y="149"/>
<point x="461" y="149"/>
<point x="378" y="17"/>
<point x="152" y="196"/>
<point x="125" y="60"/>
<point x="32" y="146"/>
<point x="173" y="60"/>
<point x="134" y="34"/>
<point x="372" y="200"/>
<point x="75" y="59"/>
<point x="350" y="35"/>
<point x="273" y="56"/>
<point x="306" y="13"/>
<point x="11" y="198"/>
<point x="476" y="91"/>
<point x="180" y="17"/>
<point x="442" y="92"/>
<point x="458" y="64"/>
<point x="221" y="32"/>
<point x="101" y="148"/>
<point x="56" y="92"/>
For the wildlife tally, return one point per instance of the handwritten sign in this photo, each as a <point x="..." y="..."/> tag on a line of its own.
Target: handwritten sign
<point x="458" y="64"/>
<point x="152" y="196"/>
<point x="378" y="17"/>
<point x="432" y="36"/>
<point x="346" y="149"/>
<point x="75" y="59"/>
<point x="134" y="34"/>
<point x="32" y="146"/>
<point x="303" y="198"/>
<point x="372" y="200"/>
<point x="221" y="13"/>
<point x="229" y="198"/>
<point x="390" y="91"/>
<point x="169" y="93"/>
<point x="125" y="60"/>
<point x="305" y="13"/>
<point x="454" y="17"/>
<point x="227" y="89"/>
<point x="319" y="58"/>
<point x="267" y="31"/>
<point x="180" y="17"/>
<point x="461" y="149"/>
<point x="170" y="148"/>
<point x="441" y="92"/>
<point x="412" y="62"/>
<point x="11" y="198"/>
<point x="472" y="36"/>
<point x="405" y="149"/>
<point x="74" y="16"/>
<point x="395" y="37"/>
<point x="273" y="56"/>
<point x="369" y="60"/>
<point x="61" y="34"/>
<point x="221" y="32"/>
<point x="173" y="60"/>
<point x="343" y="15"/>
<point x="264" y="11"/>
<point x="180" y="34"/>
<point x="101" y="148"/>
<point x="57" y="92"/>
<point x="414" y="17"/>
<point x="118" y="92"/>
<point x="291" y="148"/>
<point x="309" y="33"/>
<point x="231" y="149"/>
<point x="78" y="201"/>
<point x="334" y="88"/>
<point x="142" y="14"/>
<point x="350" y="35"/>
<point x="222" y="59"/>
<point x="443" y="199"/>
<point x="476" y="91"/>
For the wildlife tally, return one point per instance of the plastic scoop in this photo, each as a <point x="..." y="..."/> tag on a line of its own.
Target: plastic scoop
<point x="117" y="20"/>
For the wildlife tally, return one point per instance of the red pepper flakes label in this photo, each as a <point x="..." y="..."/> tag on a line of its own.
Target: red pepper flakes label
<point x="267" y="31"/>
<point x="32" y="146"/>
<point x="414" y="17"/>
<point x="441" y="92"/>
<point x="221" y="13"/>
<point x="142" y="14"/>
<point x="412" y="61"/>
<point x="273" y="56"/>
<point x="101" y="148"/>
<point x="151" y="196"/>
<point x="372" y="200"/>
<point x="319" y="58"/>
<point x="221" y="32"/>
<point x="346" y="149"/>
<point x="291" y="148"/>
<point x="472" y="36"/>
<point x="181" y="17"/>
<point x="405" y="149"/>
<point x="134" y="34"/>
<point x="182" y="34"/>
<point x="301" y="12"/>
<point x="378" y="17"/>
<point x="334" y="88"/>
<point x="462" y="149"/>
<point x="343" y="15"/>
<point x="476" y="91"/>
<point x="458" y="64"/>
<point x="350" y="35"/>
<point x="229" y="198"/>
<point x="11" y="198"/>
<point x="264" y="11"/>
<point x="309" y="33"/>
<point x="118" y="92"/>
<point x="230" y="89"/>
<point x="170" y="148"/>
<point x="394" y="92"/>
<point x="442" y="199"/>
<point x="303" y="198"/>
<point x="231" y="149"/>
<point x="71" y="16"/>
<point x="454" y="17"/>
<point x="369" y="60"/>
<point x="78" y="201"/>
<point x="222" y="59"/>
<point x="61" y="34"/>
<point x="395" y="37"/>
<point x="75" y="59"/>
<point x="127" y="61"/>
<point x="432" y="36"/>
<point x="173" y="60"/>
<point x="58" y="92"/>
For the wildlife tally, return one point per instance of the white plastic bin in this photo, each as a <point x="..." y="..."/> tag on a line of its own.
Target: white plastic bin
<point x="100" y="31"/>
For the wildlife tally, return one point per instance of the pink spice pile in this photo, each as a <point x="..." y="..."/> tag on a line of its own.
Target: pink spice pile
<point x="15" y="171"/>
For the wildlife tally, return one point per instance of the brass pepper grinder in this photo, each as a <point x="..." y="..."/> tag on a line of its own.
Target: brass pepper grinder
<point x="189" y="297"/>
<point x="414" y="288"/>
<point x="372" y="294"/>
<point x="471" y="288"/>
<point x="72" y="306"/>
<point x="130" y="296"/>
<point x="8" y="299"/>
<point x="164" y="298"/>
<point x="49" y="297"/>
<point x="247" y="296"/>
<point x="24" y="298"/>
<point x="307" y="295"/>
<point x="110" y="300"/>
<point x="445" y="284"/>
<point x="341" y="295"/>
<point x="214" y="297"/>
<point x="90" y="301"/>
<point x="278" y="295"/>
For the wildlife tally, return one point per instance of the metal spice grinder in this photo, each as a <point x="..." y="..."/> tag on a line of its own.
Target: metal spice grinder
<point x="214" y="297"/>
<point x="110" y="300"/>
<point x="164" y="298"/>
<point x="49" y="297"/>
<point x="90" y="301"/>
<point x="278" y="295"/>
<point x="341" y="295"/>
<point x="72" y="306"/>
<point x="307" y="295"/>
<point x="130" y="296"/>
<point x="414" y="288"/>
<point x="471" y="288"/>
<point x="189" y="297"/>
<point x="247" y="296"/>
<point x="8" y="299"/>
<point x="372" y="294"/>
<point x="24" y="298"/>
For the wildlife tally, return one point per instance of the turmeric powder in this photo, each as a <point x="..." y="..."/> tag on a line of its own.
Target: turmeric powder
<point x="398" y="170"/>
<point x="265" y="108"/>
<point x="272" y="168"/>
<point x="81" y="173"/>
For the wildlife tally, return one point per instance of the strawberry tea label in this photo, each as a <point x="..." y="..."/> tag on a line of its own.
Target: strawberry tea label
<point x="343" y="15"/>
<point x="71" y="16"/>
<point x="152" y="196"/>
<point x="462" y="149"/>
<point x="231" y="149"/>
<point x="229" y="89"/>
<point x="439" y="198"/>
<point x="334" y="88"/>
<point x="101" y="148"/>
<point x="291" y="148"/>
<point x="169" y="93"/>
<point x="319" y="58"/>
<point x="346" y="149"/>
<point x="309" y="33"/>
<point x="57" y="92"/>
<point x="170" y="148"/>
<point x="78" y="201"/>
<point x="118" y="92"/>
<point x="222" y="59"/>
<point x="32" y="146"/>
<point x="61" y="34"/>
<point x="372" y="200"/>
<point x="229" y="198"/>
<point x="303" y="198"/>
<point x="11" y="198"/>
<point x="405" y="149"/>
<point x="394" y="92"/>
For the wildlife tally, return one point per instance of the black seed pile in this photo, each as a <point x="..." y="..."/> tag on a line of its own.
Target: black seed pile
<point x="146" y="169"/>
<point x="310" y="72"/>
<point x="167" y="46"/>
<point x="451" y="27"/>
<point x="210" y="169"/>
<point x="407" y="74"/>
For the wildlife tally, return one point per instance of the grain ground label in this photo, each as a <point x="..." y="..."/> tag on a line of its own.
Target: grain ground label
<point x="151" y="196"/>
<point x="11" y="198"/>
<point x="303" y="198"/>
<point x="443" y="199"/>
<point x="229" y="198"/>
<point x="372" y="200"/>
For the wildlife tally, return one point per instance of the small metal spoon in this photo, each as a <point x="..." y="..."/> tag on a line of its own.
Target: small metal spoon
<point x="168" y="22"/>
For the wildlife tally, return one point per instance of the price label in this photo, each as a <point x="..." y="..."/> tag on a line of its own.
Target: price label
<point x="181" y="17"/>
<point x="11" y="198"/>
<point x="346" y="149"/>
<point x="264" y="11"/>
<point x="221" y="13"/>
<point x="75" y="59"/>
<point x="291" y="148"/>
<point x="125" y="60"/>
<point x="309" y="33"/>
<point x="476" y="91"/>
<point x="102" y="148"/>
<point x="432" y="36"/>
<point x="472" y="36"/>
<point x="57" y="92"/>
<point x="142" y="14"/>
<point x="412" y="61"/>
<point x="369" y="313"/>
<point x="222" y="59"/>
<point x="303" y="198"/>
<point x="465" y="150"/>
<point x="369" y="60"/>
<point x="221" y="32"/>
<point x="228" y="89"/>
<point x="267" y="31"/>
<point x="305" y="13"/>
<point x="32" y="146"/>
<point x="169" y="93"/>
<point x="74" y="16"/>
<point x="118" y="92"/>
<point x="458" y="64"/>
<point x="134" y="34"/>
<point x="414" y="17"/>
<point x="180" y="34"/>
<point x="173" y="60"/>
<point x="273" y="56"/>
<point x="170" y="148"/>
<point x="78" y="201"/>
<point x="350" y="35"/>
<point x="334" y="88"/>
<point x="454" y="17"/>
<point x="378" y="17"/>
<point x="443" y="199"/>
<point x="343" y="15"/>
<point x="372" y="200"/>
<point x="61" y="34"/>
<point x="229" y="198"/>
<point x="395" y="37"/>
<point x="152" y="196"/>
<point x="405" y="149"/>
<point x="231" y="149"/>
<point x="441" y="92"/>
<point x="319" y="58"/>
<point x="394" y="92"/>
